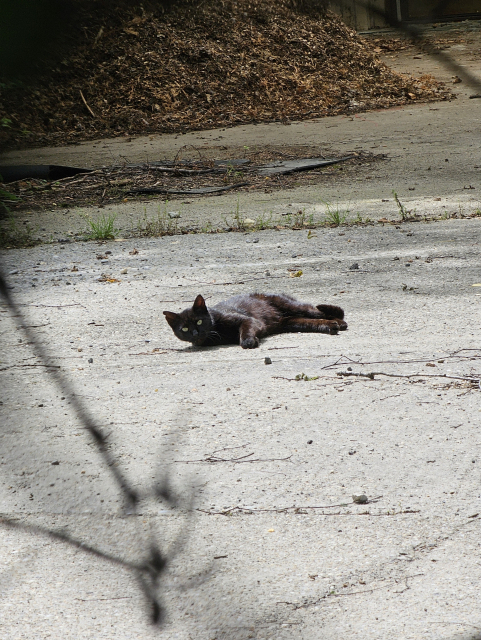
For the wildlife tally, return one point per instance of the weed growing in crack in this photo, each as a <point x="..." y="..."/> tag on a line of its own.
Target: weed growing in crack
<point x="299" y="220"/>
<point x="158" y="225"/>
<point x="334" y="215"/>
<point x="262" y="222"/>
<point x="403" y="212"/>
<point x="232" y="174"/>
<point x="238" y="216"/>
<point x="14" y="235"/>
<point x="102" y="228"/>
<point x="239" y="222"/>
<point x="207" y="228"/>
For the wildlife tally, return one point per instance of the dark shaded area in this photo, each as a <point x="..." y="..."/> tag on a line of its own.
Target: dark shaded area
<point x="29" y="30"/>
<point x="155" y="560"/>
<point x="430" y="10"/>
<point x="38" y="172"/>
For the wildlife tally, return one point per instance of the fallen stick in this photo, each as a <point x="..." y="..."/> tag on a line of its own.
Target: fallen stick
<point x="297" y="508"/>
<point x="183" y="171"/>
<point x="187" y="192"/>
<point x="85" y="103"/>
<point x="49" y="366"/>
<point x="409" y="375"/>
<point x="214" y="459"/>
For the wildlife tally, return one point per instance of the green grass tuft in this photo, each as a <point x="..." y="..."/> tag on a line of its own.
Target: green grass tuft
<point x="102" y="228"/>
<point x="334" y="215"/>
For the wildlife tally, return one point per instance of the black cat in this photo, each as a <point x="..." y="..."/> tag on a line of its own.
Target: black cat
<point x="246" y="318"/>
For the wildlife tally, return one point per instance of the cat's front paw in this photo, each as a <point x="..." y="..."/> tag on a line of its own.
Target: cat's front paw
<point x="249" y="343"/>
<point x="342" y="324"/>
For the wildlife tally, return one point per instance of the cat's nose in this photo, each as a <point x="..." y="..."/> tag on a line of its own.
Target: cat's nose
<point x="195" y="332"/>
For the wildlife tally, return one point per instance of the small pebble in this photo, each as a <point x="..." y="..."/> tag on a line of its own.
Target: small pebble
<point x="354" y="266"/>
<point x="408" y="264"/>
<point x="362" y="499"/>
<point x="294" y="255"/>
<point x="268" y="273"/>
<point x="256" y="240"/>
<point x="267" y="360"/>
<point x="13" y="272"/>
<point x="173" y="214"/>
<point x="90" y="360"/>
<point x="310" y="441"/>
<point x="55" y="462"/>
<point x="124" y="271"/>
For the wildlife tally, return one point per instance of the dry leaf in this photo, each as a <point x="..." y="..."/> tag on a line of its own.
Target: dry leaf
<point x="106" y="278"/>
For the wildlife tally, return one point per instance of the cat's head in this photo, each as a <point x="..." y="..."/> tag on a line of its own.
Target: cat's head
<point x="192" y="325"/>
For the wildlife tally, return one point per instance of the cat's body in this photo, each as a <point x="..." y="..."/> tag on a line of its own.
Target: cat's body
<point x="245" y="319"/>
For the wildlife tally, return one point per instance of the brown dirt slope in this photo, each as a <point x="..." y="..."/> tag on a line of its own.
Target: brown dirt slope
<point x="139" y="70"/>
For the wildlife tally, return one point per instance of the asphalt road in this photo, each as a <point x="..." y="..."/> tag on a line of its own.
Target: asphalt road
<point x="296" y="558"/>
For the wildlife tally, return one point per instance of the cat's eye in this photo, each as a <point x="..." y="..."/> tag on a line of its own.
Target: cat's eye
<point x="185" y="328"/>
<point x="199" y="321"/>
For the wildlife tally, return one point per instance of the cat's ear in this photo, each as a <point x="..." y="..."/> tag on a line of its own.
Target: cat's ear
<point x="172" y="318"/>
<point x="199" y="304"/>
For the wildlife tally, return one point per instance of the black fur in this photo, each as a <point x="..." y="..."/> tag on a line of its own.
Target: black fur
<point x="245" y="319"/>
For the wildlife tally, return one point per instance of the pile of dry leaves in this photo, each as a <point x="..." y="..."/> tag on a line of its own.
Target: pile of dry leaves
<point x="198" y="66"/>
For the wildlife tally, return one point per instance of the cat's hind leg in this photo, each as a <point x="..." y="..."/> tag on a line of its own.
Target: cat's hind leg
<point x="312" y="325"/>
<point x="290" y="307"/>
<point x="330" y="311"/>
